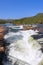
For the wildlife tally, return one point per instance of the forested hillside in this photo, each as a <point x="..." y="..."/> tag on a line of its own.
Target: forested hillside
<point x="28" y="20"/>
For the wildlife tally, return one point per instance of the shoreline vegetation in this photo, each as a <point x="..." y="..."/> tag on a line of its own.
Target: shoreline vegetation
<point x="37" y="19"/>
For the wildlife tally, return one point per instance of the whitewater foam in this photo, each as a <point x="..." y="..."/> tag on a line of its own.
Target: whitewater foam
<point x="24" y="48"/>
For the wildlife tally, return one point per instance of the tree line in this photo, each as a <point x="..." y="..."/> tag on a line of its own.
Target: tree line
<point x="29" y="20"/>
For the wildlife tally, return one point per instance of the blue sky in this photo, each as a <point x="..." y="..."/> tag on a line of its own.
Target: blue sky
<point x="14" y="9"/>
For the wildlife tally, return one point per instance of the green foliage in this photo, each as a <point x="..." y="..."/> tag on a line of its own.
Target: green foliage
<point x="2" y="21"/>
<point x="29" y="20"/>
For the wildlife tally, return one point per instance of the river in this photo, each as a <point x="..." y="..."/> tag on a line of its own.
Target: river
<point x="23" y="48"/>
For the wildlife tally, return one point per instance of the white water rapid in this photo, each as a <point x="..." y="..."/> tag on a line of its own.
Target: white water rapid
<point x="23" y="49"/>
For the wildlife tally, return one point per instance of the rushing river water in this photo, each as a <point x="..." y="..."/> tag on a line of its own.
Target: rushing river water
<point x="23" y="48"/>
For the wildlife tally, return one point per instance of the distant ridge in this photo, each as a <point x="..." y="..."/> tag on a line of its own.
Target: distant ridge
<point x="38" y="18"/>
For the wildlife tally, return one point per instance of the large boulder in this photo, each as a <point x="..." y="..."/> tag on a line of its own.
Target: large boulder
<point x="2" y="30"/>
